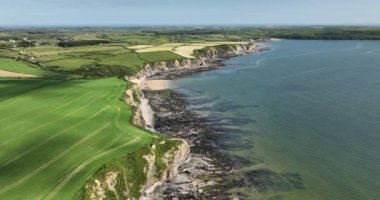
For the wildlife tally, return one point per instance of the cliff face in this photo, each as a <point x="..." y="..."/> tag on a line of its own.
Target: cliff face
<point x="173" y="159"/>
<point x="225" y="51"/>
<point x="133" y="98"/>
<point x="204" y="56"/>
<point x="137" y="174"/>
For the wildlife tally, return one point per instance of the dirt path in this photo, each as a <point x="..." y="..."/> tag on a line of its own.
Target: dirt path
<point x="4" y="73"/>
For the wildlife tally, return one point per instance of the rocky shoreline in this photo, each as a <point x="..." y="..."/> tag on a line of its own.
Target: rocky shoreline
<point x="204" y="175"/>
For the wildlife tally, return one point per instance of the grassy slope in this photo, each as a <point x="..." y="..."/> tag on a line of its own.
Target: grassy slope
<point x="10" y="88"/>
<point x="20" y="67"/>
<point x="53" y="138"/>
<point x="71" y="63"/>
<point x="128" y="59"/>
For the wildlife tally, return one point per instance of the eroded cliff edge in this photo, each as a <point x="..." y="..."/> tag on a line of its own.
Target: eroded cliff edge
<point x="140" y="174"/>
<point x="206" y="59"/>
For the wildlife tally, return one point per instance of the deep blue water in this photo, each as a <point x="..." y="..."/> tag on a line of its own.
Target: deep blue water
<point x="309" y="109"/>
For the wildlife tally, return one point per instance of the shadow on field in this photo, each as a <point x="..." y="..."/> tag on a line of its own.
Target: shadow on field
<point x="15" y="87"/>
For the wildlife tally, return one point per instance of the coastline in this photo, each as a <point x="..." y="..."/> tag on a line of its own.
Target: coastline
<point x="203" y="173"/>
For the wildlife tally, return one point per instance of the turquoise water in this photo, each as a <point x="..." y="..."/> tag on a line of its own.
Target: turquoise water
<point x="306" y="108"/>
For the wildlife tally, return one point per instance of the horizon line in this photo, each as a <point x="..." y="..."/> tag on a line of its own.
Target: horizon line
<point x="180" y="25"/>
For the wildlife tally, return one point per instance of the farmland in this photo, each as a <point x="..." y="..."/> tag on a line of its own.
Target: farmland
<point x="115" y="59"/>
<point x="184" y="50"/>
<point x="63" y="124"/>
<point x="56" y="134"/>
<point x="21" y="67"/>
<point x="99" y="53"/>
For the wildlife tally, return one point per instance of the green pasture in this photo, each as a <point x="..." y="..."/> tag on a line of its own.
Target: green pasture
<point x="159" y="56"/>
<point x="41" y="49"/>
<point x="21" y="67"/>
<point x="8" y="53"/>
<point x="44" y="59"/>
<point x="54" y="135"/>
<point x="70" y="63"/>
<point x="107" y="60"/>
<point x="130" y="59"/>
<point x="10" y="88"/>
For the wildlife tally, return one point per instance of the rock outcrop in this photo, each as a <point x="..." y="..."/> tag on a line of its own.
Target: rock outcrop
<point x="133" y="97"/>
<point x="173" y="160"/>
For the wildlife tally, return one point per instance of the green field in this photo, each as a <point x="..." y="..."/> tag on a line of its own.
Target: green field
<point x="159" y="56"/>
<point x="114" y="58"/>
<point x="54" y="135"/>
<point x="20" y="67"/>
<point x="45" y="59"/>
<point x="81" y="53"/>
<point x="128" y="59"/>
<point x="70" y="63"/>
<point x="41" y="49"/>
<point x="10" y="88"/>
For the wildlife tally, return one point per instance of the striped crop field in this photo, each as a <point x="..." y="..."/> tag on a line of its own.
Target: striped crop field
<point x="55" y="134"/>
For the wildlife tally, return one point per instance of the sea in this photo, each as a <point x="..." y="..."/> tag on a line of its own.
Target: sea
<point x="302" y="119"/>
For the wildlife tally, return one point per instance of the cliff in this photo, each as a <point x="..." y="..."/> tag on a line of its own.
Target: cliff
<point x="204" y="57"/>
<point x="138" y="174"/>
<point x="133" y="97"/>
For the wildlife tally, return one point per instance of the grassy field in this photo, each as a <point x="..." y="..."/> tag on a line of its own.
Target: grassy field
<point x="55" y="50"/>
<point x="70" y="63"/>
<point x="95" y="53"/>
<point x="20" y="67"/>
<point x="103" y="57"/>
<point x="54" y="135"/>
<point x="10" y="88"/>
<point x="159" y="56"/>
<point x="116" y="59"/>
<point x="187" y="51"/>
<point x="137" y="47"/>
<point x="161" y="47"/>
<point x="45" y="59"/>
<point x="128" y="59"/>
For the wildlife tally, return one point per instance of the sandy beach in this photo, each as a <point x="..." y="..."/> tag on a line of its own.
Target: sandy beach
<point x="145" y="108"/>
<point x="151" y="84"/>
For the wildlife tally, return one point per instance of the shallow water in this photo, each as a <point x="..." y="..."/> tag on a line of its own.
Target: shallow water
<point x="304" y="117"/>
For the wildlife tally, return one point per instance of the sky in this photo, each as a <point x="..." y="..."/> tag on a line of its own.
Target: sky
<point x="188" y="12"/>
